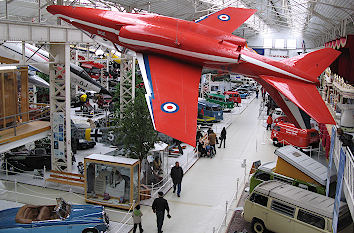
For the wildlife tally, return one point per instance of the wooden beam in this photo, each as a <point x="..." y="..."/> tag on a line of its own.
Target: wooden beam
<point x="7" y="60"/>
<point x="24" y="93"/>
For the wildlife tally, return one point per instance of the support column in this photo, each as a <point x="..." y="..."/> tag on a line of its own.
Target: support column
<point x="60" y="100"/>
<point x="127" y="82"/>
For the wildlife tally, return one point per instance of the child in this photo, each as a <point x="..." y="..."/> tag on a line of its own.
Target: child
<point x="137" y="219"/>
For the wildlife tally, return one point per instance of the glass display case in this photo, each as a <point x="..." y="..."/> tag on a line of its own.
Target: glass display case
<point x="112" y="181"/>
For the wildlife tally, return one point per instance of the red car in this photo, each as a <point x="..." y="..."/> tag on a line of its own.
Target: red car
<point x="286" y="133"/>
<point x="234" y="96"/>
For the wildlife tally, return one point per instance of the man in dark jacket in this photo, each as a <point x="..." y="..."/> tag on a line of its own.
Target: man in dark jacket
<point x="159" y="206"/>
<point x="177" y="175"/>
<point x="222" y="137"/>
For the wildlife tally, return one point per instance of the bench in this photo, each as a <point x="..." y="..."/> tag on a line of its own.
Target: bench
<point x="66" y="178"/>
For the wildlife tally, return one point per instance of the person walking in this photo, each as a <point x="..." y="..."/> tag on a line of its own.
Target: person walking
<point x="177" y="175"/>
<point x="137" y="219"/>
<point x="257" y="93"/>
<point x="159" y="206"/>
<point x="269" y="121"/>
<point x="222" y="137"/>
<point x="212" y="140"/>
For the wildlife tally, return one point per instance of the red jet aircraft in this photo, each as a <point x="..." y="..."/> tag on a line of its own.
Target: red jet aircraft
<point x="172" y="53"/>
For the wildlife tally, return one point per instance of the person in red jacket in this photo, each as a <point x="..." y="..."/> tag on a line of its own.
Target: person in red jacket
<point x="269" y="122"/>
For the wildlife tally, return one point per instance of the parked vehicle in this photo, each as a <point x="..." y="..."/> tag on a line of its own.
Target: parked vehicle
<point x="233" y="96"/>
<point x="283" y="208"/>
<point x="279" y="119"/>
<point x="84" y="144"/>
<point x="249" y="87"/>
<point x="286" y="133"/>
<point x="221" y="100"/>
<point x="266" y="172"/>
<point x="244" y="93"/>
<point x="27" y="160"/>
<point x="209" y="110"/>
<point x="93" y="69"/>
<point x="205" y="120"/>
<point x="294" y="163"/>
<point x="277" y="113"/>
<point x="62" y="217"/>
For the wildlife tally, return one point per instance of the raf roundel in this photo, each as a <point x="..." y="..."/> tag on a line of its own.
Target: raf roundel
<point x="224" y="17"/>
<point x="169" y="107"/>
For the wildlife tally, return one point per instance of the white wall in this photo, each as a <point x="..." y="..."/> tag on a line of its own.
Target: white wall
<point x="258" y="40"/>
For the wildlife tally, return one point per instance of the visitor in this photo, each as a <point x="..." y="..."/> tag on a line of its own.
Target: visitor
<point x="177" y="175"/>
<point x="222" y="137"/>
<point x="137" y="219"/>
<point x="269" y="122"/>
<point x="159" y="206"/>
<point x="212" y="140"/>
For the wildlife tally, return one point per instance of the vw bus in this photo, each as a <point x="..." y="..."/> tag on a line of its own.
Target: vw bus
<point x="283" y="208"/>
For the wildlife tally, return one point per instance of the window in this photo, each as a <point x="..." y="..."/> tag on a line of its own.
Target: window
<point x="279" y="44"/>
<point x="311" y="219"/>
<point x="259" y="199"/>
<point x="276" y="128"/>
<point x="291" y="44"/>
<point x="283" y="208"/>
<point x="303" y="186"/>
<point x="262" y="176"/>
<point x="312" y="188"/>
<point x="268" y="43"/>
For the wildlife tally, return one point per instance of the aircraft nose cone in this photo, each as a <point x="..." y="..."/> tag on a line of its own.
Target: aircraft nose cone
<point x="55" y="9"/>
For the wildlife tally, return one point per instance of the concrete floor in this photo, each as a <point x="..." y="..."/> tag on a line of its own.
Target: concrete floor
<point x="207" y="185"/>
<point x="212" y="182"/>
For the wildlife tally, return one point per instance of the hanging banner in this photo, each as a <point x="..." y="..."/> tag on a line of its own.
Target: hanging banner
<point x="333" y="136"/>
<point x="340" y="175"/>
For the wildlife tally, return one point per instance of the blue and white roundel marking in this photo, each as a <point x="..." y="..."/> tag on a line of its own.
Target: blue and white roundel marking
<point x="169" y="107"/>
<point x="224" y="17"/>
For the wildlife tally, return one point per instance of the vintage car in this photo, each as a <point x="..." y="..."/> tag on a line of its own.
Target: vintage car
<point x="287" y="134"/>
<point x="62" y="217"/>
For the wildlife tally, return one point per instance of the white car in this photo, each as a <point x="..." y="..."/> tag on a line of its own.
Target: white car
<point x="277" y="113"/>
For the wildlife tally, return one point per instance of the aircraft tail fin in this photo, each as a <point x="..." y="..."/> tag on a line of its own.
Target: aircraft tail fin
<point x="228" y="19"/>
<point x="313" y="63"/>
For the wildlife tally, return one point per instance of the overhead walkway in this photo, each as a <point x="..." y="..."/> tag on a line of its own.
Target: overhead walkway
<point x="17" y="136"/>
<point x="35" y="32"/>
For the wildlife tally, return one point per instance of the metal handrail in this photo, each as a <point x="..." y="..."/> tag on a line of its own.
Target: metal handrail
<point x="17" y="124"/>
<point x="18" y="114"/>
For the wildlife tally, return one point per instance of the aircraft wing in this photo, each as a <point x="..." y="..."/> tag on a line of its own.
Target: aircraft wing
<point x="172" y="95"/>
<point x="228" y="19"/>
<point x="304" y="95"/>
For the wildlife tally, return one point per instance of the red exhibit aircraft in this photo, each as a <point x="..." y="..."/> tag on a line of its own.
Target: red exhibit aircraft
<point x="172" y="53"/>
